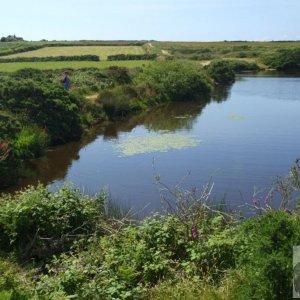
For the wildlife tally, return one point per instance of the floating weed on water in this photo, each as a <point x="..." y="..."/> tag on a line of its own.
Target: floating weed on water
<point x="235" y="117"/>
<point x="155" y="143"/>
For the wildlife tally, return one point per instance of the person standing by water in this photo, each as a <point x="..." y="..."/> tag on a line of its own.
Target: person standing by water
<point x="66" y="81"/>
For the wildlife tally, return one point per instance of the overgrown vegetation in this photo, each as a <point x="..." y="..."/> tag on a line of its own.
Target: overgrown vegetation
<point x="193" y="251"/>
<point x="284" y="59"/>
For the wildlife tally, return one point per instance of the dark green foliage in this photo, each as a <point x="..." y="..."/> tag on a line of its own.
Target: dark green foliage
<point x="266" y="256"/>
<point x="38" y="223"/>
<point x="242" y="66"/>
<point x="174" y="80"/>
<point x="52" y="58"/>
<point x="9" y="125"/>
<point x="119" y="75"/>
<point x="284" y="59"/>
<point x="48" y="105"/>
<point x="221" y="72"/>
<point x="132" y="57"/>
<point x="120" y="101"/>
<point x="11" y="38"/>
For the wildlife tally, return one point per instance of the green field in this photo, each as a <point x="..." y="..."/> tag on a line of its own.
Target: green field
<point x="49" y="65"/>
<point x="102" y="51"/>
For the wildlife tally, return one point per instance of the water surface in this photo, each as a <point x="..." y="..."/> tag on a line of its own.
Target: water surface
<point x="246" y="135"/>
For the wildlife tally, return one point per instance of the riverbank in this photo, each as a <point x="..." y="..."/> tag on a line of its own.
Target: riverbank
<point x="197" y="251"/>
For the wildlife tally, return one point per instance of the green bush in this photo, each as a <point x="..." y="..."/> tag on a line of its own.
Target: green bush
<point x="38" y="223"/>
<point x="120" y="101"/>
<point x="9" y="125"/>
<point x="242" y="66"/>
<point x="30" y="142"/>
<point x="267" y="254"/>
<point x="46" y="104"/>
<point x="15" y="284"/>
<point x="284" y="59"/>
<point x="221" y="72"/>
<point x="175" y="80"/>
<point x="132" y="57"/>
<point x="119" y="75"/>
<point x="52" y="58"/>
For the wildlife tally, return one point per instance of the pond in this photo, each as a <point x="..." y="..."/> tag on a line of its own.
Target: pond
<point x="240" y="140"/>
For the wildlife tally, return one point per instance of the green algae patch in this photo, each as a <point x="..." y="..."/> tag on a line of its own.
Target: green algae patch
<point x="155" y="143"/>
<point x="235" y="117"/>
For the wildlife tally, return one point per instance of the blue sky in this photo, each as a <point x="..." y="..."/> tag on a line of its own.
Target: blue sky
<point x="189" y="20"/>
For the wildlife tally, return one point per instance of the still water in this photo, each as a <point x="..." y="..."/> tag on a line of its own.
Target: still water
<point x="240" y="139"/>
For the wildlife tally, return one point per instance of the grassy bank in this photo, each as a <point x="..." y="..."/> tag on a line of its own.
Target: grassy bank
<point x="64" y="245"/>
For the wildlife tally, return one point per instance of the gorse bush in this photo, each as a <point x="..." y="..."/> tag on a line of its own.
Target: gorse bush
<point x="48" y="105"/>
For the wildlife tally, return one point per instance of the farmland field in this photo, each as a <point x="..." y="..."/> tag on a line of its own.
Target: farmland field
<point x="49" y="65"/>
<point x="102" y="51"/>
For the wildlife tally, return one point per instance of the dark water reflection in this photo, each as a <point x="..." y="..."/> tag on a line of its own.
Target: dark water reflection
<point x="249" y="134"/>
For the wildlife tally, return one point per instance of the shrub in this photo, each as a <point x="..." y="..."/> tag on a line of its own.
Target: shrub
<point x="266" y="256"/>
<point x="30" y="142"/>
<point x="132" y="57"/>
<point x="52" y="58"/>
<point x="284" y="59"/>
<point x="9" y="125"/>
<point x="174" y="80"/>
<point x="46" y="104"/>
<point x="120" y="75"/>
<point x="241" y="66"/>
<point x="38" y="223"/>
<point x="120" y="101"/>
<point x="221" y="72"/>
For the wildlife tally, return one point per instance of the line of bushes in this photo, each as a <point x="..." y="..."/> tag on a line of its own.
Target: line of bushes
<point x="87" y="57"/>
<point x="21" y="49"/>
<point x="284" y="59"/>
<point x="27" y="47"/>
<point x="132" y="57"/>
<point x="157" y="83"/>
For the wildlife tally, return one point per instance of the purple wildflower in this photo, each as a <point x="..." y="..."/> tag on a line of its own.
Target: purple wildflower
<point x="194" y="231"/>
<point x="267" y="200"/>
<point x="255" y="201"/>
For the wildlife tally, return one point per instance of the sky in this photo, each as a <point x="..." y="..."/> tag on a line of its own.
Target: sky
<point x="164" y="20"/>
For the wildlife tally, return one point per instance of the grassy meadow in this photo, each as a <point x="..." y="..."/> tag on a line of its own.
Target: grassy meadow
<point x="102" y="51"/>
<point x="54" y="65"/>
<point x="201" y="52"/>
